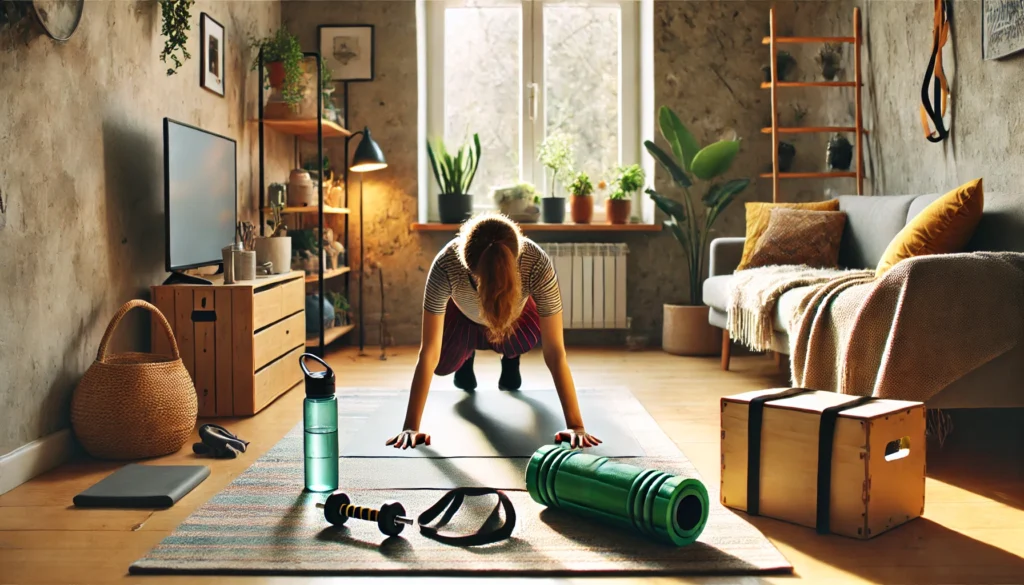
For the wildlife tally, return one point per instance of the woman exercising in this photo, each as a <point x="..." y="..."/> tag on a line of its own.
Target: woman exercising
<point x="491" y="288"/>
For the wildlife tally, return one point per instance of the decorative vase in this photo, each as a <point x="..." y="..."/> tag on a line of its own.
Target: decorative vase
<point x="581" y="208"/>
<point x="553" y="209"/>
<point x="454" y="207"/>
<point x="617" y="210"/>
<point x="313" y="314"/>
<point x="787" y="152"/>
<point x="686" y="331"/>
<point x="839" y="153"/>
<point x="301" y="189"/>
<point x="277" y="251"/>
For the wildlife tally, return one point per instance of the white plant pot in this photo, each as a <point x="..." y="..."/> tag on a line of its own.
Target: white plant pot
<point x="686" y="331"/>
<point x="277" y="251"/>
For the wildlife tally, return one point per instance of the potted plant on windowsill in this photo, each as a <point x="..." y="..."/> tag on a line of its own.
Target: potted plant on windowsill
<point x="627" y="182"/>
<point x="454" y="176"/>
<point x="582" y="190"/>
<point x="276" y="249"/>
<point x="519" y="202"/>
<point x="686" y="330"/>
<point x="282" y="58"/>
<point x="556" y="153"/>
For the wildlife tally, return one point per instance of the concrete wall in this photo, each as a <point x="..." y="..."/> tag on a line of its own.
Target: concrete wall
<point x="987" y="110"/>
<point x="81" y="182"/>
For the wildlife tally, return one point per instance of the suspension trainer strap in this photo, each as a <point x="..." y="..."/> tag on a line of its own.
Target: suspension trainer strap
<point x="755" y="416"/>
<point x="933" y="107"/>
<point x="826" y="439"/>
<point x="450" y="504"/>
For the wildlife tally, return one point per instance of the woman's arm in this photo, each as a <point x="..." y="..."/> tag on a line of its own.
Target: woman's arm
<point x="553" y="342"/>
<point x="430" y="354"/>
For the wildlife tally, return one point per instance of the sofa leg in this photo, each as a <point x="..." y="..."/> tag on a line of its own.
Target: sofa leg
<point x="726" y="349"/>
<point x="779" y="359"/>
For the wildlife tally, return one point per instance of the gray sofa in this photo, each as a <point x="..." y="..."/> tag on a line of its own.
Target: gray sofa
<point x="872" y="222"/>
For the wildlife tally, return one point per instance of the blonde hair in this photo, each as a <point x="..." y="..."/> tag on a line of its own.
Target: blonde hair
<point x="489" y="246"/>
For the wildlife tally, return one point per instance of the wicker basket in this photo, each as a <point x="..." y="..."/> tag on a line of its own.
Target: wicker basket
<point x="134" y="405"/>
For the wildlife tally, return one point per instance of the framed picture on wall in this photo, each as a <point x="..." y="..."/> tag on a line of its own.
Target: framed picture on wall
<point x="348" y="50"/>
<point x="211" y="54"/>
<point x="1002" y="28"/>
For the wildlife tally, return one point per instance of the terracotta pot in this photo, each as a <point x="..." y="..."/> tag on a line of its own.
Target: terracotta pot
<point x="275" y="73"/>
<point x="686" y="331"/>
<point x="581" y="209"/>
<point x="617" y="210"/>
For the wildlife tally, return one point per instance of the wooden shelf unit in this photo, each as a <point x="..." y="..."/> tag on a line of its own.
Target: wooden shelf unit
<point x="328" y="210"/>
<point x="551" y="227"/>
<point x="773" y="41"/>
<point x="328" y="274"/>
<point x="330" y="334"/>
<point x="306" y="129"/>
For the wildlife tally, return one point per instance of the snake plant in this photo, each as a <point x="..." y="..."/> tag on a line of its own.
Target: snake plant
<point x="454" y="174"/>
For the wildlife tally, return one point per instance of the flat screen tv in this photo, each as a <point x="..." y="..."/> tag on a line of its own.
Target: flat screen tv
<point x="200" y="193"/>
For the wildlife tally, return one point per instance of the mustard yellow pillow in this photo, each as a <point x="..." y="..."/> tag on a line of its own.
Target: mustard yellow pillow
<point x="758" y="215"/>
<point x="944" y="227"/>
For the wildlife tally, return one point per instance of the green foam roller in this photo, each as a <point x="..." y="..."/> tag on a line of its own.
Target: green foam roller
<point x="668" y="508"/>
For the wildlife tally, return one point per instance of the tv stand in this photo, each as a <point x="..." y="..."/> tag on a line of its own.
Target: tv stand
<point x="182" y="278"/>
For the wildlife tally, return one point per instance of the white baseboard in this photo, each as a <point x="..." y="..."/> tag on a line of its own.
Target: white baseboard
<point x="33" y="459"/>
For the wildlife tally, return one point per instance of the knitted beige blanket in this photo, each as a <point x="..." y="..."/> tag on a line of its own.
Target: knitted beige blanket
<point x="907" y="335"/>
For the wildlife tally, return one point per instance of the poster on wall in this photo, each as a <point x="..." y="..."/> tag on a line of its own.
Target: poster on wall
<point x="1002" y="28"/>
<point x="348" y="51"/>
<point x="211" y="54"/>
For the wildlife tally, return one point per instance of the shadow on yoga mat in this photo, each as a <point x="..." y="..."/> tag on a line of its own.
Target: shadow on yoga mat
<point x="491" y="423"/>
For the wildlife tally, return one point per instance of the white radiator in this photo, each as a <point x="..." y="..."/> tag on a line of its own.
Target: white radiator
<point x="592" y="278"/>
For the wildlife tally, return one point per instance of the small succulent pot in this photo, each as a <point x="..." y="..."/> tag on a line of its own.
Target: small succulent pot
<point x="581" y="208"/>
<point x="787" y="152"/>
<point x="617" y="210"/>
<point x="553" y="209"/>
<point x="839" y="153"/>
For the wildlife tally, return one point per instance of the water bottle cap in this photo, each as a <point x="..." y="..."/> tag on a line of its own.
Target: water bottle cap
<point x="318" y="384"/>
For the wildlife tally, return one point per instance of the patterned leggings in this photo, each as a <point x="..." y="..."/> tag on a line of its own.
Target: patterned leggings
<point x="462" y="337"/>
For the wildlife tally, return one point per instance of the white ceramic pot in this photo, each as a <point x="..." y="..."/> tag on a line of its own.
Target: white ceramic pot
<point x="686" y="331"/>
<point x="277" y="251"/>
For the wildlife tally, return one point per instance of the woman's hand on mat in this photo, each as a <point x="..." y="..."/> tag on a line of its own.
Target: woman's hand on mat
<point x="409" y="440"/>
<point x="577" y="438"/>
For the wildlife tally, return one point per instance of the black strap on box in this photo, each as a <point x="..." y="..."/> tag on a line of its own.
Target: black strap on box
<point x="826" y="439"/>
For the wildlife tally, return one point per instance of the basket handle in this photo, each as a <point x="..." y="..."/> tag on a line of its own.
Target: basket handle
<point x="102" y="353"/>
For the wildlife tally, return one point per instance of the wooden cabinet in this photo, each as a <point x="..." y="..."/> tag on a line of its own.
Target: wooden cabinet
<point x="240" y="342"/>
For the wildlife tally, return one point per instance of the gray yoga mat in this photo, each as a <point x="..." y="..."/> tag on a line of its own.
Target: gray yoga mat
<point x="492" y="423"/>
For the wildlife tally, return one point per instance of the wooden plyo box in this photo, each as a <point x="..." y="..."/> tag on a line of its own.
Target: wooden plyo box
<point x="878" y="461"/>
<point x="240" y="342"/>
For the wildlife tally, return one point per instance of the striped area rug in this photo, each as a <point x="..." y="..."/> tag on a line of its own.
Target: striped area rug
<point x="263" y="522"/>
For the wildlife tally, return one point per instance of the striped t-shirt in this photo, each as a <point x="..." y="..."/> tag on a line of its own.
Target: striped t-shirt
<point x="449" y="279"/>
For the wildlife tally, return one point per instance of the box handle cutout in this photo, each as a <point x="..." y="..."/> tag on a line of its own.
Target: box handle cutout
<point x="897" y="449"/>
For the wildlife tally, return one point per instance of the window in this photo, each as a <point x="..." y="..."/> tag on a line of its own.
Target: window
<point x="515" y="71"/>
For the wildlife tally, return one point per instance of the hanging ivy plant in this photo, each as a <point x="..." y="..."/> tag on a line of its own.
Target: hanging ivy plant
<point x="176" y="17"/>
<point x="282" y="47"/>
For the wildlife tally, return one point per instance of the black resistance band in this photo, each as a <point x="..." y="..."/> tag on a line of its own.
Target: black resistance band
<point x="450" y="504"/>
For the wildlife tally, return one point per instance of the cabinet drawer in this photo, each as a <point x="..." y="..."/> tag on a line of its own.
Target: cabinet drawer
<point x="279" y="339"/>
<point x="277" y="378"/>
<point x="272" y="304"/>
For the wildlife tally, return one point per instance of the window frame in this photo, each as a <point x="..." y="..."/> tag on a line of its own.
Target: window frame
<point x="431" y="38"/>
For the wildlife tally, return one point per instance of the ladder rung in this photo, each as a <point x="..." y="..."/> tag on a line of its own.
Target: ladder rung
<point x="796" y="40"/>
<point x="812" y="129"/>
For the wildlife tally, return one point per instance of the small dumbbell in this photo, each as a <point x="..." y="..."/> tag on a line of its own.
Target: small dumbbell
<point x="390" y="518"/>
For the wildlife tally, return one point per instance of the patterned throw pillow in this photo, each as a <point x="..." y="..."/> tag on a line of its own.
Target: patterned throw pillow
<point x="757" y="220"/>
<point x="800" y="237"/>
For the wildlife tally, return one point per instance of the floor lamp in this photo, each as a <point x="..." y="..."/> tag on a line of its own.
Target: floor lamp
<point x="367" y="158"/>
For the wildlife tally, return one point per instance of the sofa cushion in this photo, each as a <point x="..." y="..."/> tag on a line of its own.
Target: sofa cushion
<point x="871" y="223"/>
<point x="800" y="237"/>
<point x="943" y="227"/>
<point x="716" y="296"/>
<point x="757" y="221"/>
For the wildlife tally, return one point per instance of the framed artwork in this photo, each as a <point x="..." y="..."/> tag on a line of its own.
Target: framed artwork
<point x="1002" y="28"/>
<point x="347" y="50"/>
<point x="211" y="54"/>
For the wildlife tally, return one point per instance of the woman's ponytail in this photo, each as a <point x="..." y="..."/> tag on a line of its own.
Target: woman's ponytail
<point x="499" y="289"/>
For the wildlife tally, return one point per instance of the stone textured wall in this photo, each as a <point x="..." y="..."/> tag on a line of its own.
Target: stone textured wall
<point x="81" y="226"/>
<point x="987" y="107"/>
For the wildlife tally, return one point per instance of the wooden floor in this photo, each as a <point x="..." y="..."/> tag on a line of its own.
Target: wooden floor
<point x="972" y="530"/>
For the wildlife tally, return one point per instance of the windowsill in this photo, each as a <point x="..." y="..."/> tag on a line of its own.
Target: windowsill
<point x="551" y="227"/>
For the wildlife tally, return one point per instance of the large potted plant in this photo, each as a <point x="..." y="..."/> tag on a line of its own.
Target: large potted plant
<point x="556" y="153"/>
<point x="686" y="330"/>
<point x="276" y="249"/>
<point x="454" y="175"/>
<point x="282" y="58"/>
<point x="628" y="181"/>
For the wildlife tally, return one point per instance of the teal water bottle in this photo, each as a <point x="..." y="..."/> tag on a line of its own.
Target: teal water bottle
<point x="320" y="423"/>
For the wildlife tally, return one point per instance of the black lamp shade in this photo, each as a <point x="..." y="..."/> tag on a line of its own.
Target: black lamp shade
<point x="368" y="156"/>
